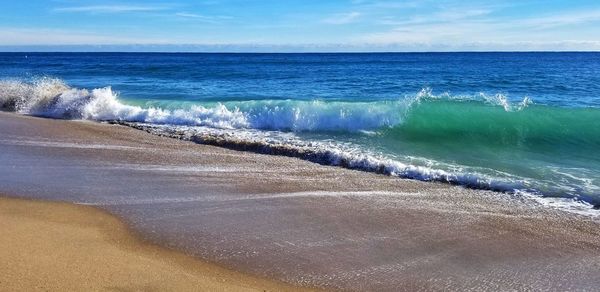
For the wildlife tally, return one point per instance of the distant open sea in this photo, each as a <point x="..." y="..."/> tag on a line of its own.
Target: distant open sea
<point x="520" y="123"/>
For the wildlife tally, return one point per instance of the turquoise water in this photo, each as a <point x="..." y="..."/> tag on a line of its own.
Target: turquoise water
<point x="513" y="122"/>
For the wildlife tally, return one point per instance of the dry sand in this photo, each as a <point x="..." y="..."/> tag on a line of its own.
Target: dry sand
<point x="48" y="246"/>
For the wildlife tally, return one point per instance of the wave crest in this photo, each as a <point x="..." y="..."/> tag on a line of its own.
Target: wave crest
<point x="53" y="98"/>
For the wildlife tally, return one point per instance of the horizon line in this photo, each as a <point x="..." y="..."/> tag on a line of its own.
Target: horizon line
<point x="290" y="48"/>
<point x="307" y="52"/>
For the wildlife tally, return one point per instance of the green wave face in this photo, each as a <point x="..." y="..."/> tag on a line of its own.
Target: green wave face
<point x="557" y="147"/>
<point x="537" y="128"/>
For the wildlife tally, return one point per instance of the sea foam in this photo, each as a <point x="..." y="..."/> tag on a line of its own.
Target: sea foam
<point x="53" y="98"/>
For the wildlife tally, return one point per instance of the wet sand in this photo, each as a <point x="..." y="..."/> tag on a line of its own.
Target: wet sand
<point x="64" y="247"/>
<point x="299" y="222"/>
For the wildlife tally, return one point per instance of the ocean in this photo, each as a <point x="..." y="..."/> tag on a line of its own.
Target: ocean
<point x="519" y="123"/>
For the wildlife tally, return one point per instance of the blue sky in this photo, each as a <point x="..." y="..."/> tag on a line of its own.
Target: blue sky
<point x="308" y="25"/>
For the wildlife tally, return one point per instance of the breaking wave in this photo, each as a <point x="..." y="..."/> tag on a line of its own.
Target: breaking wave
<point x="479" y="121"/>
<point x="53" y="98"/>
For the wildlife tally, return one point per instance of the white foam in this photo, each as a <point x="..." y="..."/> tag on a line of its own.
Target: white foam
<point x="570" y="205"/>
<point x="53" y="98"/>
<point x="57" y="144"/>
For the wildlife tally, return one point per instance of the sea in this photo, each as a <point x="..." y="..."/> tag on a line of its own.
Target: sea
<point x="520" y="123"/>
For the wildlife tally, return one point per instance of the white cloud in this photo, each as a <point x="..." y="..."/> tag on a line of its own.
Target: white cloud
<point x="189" y="15"/>
<point x="369" y="4"/>
<point x="203" y="18"/>
<point x="343" y="18"/>
<point x="438" y="17"/>
<point x="443" y="28"/>
<point x="38" y="36"/>
<point x="567" y="18"/>
<point x="109" y="8"/>
<point x="481" y="26"/>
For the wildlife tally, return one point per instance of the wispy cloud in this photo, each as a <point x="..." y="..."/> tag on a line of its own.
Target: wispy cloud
<point x="566" y="18"/>
<point x="451" y="15"/>
<point x="110" y="8"/>
<point x="204" y="18"/>
<point x="189" y="15"/>
<point x="342" y="18"/>
<point x="39" y="36"/>
<point x="480" y="25"/>
<point x="385" y="24"/>
<point x="379" y="4"/>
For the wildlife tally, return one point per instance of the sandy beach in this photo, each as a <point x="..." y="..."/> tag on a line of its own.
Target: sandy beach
<point x="270" y="217"/>
<point x="50" y="246"/>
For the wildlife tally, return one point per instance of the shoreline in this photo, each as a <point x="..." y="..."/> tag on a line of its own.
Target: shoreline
<point x="295" y="221"/>
<point x="55" y="246"/>
<point x="369" y="165"/>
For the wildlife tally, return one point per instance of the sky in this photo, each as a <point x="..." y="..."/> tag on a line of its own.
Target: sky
<point x="300" y="25"/>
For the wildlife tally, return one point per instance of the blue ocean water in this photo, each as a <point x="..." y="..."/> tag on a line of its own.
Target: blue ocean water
<point x="512" y="122"/>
